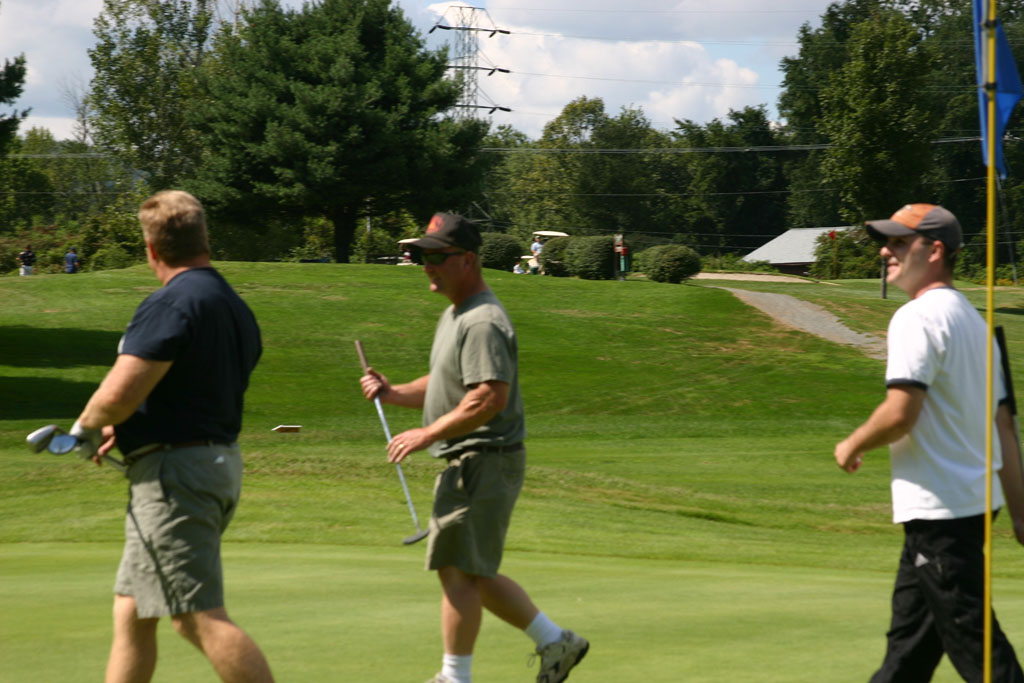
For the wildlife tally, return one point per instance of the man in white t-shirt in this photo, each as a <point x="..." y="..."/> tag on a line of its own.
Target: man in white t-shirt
<point x="934" y="418"/>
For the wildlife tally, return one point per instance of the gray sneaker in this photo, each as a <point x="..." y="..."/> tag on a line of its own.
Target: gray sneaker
<point x="558" y="658"/>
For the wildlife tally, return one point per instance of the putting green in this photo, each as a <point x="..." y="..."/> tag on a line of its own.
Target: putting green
<point x="324" y="613"/>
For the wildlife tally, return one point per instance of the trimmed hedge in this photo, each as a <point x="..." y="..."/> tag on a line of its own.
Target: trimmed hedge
<point x="500" y="251"/>
<point x="670" y="263"/>
<point x="591" y="258"/>
<point x="552" y="257"/>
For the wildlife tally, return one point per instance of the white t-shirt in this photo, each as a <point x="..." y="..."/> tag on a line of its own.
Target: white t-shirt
<point x="937" y="342"/>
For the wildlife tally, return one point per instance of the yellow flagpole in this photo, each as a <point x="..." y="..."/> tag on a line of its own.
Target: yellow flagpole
<point x="990" y="218"/>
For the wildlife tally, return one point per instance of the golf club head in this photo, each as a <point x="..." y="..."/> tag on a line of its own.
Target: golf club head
<point x="62" y="443"/>
<point x="40" y="439"/>
<point x="416" y="537"/>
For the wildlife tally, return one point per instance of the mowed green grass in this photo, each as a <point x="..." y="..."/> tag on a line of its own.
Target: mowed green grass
<point x="681" y="499"/>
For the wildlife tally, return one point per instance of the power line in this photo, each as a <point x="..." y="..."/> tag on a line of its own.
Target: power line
<point x="688" y="150"/>
<point x="652" y="11"/>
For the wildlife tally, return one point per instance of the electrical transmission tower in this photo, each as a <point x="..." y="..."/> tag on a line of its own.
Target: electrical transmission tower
<point x="468" y="23"/>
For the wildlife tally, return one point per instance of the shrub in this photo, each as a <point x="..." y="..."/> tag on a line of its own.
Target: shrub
<point x="670" y="263"/>
<point x="552" y="258"/>
<point x="106" y="258"/>
<point x="381" y="241"/>
<point x="591" y="258"/>
<point x="367" y="247"/>
<point x="733" y="262"/>
<point x="850" y="254"/>
<point x="499" y="251"/>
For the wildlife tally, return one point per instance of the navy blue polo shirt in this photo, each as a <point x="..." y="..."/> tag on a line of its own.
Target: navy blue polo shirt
<point x="203" y="327"/>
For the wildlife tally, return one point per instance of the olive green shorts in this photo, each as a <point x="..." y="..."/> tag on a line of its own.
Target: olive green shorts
<point x="473" y="500"/>
<point x="180" y="502"/>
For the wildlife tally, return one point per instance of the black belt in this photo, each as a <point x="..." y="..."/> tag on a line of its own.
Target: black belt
<point x="486" y="448"/>
<point x="138" y="455"/>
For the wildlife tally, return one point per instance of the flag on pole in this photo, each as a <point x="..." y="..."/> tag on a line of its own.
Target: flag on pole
<point x="1008" y="85"/>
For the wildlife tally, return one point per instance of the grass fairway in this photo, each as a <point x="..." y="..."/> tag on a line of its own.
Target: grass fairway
<point x="681" y="508"/>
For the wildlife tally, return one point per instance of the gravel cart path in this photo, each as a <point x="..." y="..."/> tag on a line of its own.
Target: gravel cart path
<point x="802" y="315"/>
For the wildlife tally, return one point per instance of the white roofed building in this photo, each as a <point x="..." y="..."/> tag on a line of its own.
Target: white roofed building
<point x="793" y="251"/>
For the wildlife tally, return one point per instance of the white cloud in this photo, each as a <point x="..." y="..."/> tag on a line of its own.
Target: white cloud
<point x="667" y="79"/>
<point x="54" y="36"/>
<point x="62" y="128"/>
<point x="729" y="43"/>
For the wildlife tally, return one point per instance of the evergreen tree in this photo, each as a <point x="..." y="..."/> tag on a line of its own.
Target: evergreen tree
<point x="335" y="110"/>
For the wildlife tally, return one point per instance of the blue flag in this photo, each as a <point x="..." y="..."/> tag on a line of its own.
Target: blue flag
<point x="1008" y="85"/>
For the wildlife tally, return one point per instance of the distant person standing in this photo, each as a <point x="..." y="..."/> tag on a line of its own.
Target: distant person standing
<point x="933" y="417"/>
<point x="473" y="419"/>
<point x="26" y="259"/>
<point x="536" y="247"/>
<point x="71" y="261"/>
<point x="172" y="403"/>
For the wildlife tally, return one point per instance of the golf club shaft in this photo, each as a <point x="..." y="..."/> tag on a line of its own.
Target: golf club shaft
<point x="398" y="466"/>
<point x="387" y="435"/>
<point x="115" y="463"/>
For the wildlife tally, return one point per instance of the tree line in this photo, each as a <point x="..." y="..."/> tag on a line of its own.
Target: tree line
<point x="297" y="127"/>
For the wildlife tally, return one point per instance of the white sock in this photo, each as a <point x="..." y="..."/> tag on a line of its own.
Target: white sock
<point x="543" y="631"/>
<point x="457" y="667"/>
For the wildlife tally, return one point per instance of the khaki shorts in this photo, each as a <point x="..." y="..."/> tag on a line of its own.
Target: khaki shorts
<point x="473" y="501"/>
<point x="180" y="503"/>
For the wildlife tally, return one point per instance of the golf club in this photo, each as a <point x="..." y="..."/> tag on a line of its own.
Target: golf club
<point x="55" y="440"/>
<point x="420" y="533"/>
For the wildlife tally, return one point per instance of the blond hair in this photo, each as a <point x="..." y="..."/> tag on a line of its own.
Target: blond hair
<point x="173" y="222"/>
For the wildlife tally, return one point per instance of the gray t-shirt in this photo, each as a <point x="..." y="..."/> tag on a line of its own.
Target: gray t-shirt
<point x="474" y="343"/>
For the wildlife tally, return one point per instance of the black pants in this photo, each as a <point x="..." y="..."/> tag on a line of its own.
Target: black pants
<point x="938" y="603"/>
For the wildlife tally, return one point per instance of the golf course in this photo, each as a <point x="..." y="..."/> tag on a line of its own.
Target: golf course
<point x="682" y="508"/>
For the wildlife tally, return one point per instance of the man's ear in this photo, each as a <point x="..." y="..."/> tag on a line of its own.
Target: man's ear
<point x="937" y="252"/>
<point x="151" y="250"/>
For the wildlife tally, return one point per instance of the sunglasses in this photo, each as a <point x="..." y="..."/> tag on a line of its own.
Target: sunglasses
<point x="438" y="257"/>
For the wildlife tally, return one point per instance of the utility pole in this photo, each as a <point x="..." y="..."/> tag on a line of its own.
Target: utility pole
<point x="468" y="23"/>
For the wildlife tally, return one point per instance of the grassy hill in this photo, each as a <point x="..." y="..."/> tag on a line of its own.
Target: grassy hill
<point x="680" y="476"/>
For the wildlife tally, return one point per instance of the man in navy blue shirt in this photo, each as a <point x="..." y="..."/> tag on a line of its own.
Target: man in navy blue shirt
<point x="172" y="404"/>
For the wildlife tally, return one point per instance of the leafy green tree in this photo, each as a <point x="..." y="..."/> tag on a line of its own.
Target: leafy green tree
<point x="881" y="124"/>
<point x="569" y="181"/>
<point x="533" y="190"/>
<point x="823" y="52"/>
<point x="626" y="193"/>
<point x="78" y="180"/>
<point x="146" y="61"/>
<point x="732" y="193"/>
<point x="334" y="110"/>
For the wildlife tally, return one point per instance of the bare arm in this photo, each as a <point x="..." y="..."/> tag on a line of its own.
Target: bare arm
<point x="480" y="404"/>
<point x="892" y="419"/>
<point x="125" y="387"/>
<point x="408" y="395"/>
<point x="1010" y="476"/>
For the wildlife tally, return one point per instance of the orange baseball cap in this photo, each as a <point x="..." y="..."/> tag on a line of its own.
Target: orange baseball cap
<point x="929" y="220"/>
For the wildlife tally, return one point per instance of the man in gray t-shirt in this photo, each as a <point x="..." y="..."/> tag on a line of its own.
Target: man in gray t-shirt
<point x="474" y="343"/>
<point x="473" y="418"/>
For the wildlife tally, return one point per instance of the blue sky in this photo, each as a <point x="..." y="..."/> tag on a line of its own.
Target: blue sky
<point x="673" y="58"/>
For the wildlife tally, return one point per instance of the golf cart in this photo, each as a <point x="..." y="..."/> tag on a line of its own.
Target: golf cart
<point x="539" y="238"/>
